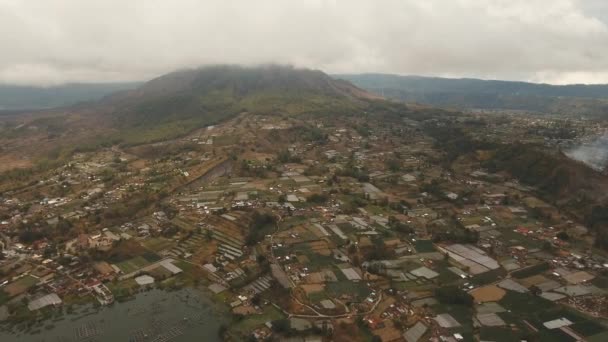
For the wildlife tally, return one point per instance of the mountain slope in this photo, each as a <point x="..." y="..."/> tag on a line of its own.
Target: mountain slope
<point x="589" y="100"/>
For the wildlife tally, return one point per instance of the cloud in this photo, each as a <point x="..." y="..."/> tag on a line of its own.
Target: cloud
<point x="55" y="41"/>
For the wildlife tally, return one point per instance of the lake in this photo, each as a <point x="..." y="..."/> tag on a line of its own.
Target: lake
<point x="154" y="316"/>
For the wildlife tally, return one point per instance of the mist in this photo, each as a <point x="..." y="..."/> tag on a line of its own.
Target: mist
<point x="53" y="42"/>
<point x="594" y="153"/>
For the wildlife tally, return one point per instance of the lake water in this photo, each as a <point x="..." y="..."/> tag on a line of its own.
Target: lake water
<point x="154" y="316"/>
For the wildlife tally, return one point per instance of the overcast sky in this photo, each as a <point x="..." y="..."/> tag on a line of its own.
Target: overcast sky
<point x="56" y="41"/>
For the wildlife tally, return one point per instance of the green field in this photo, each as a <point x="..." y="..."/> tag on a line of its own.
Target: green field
<point x="531" y="270"/>
<point x="4" y="297"/>
<point x="319" y="262"/>
<point x="158" y="244"/>
<point x="599" y="337"/>
<point x="224" y="140"/>
<point x="537" y="311"/>
<point x="133" y="265"/>
<point x="182" y="224"/>
<point x="317" y="297"/>
<point x="349" y="288"/>
<point x="488" y="277"/>
<point x="512" y="238"/>
<point x="249" y="323"/>
<point x="123" y="290"/>
<point x="601" y="282"/>
<point x="446" y="276"/>
<point x="588" y="328"/>
<point x="424" y="246"/>
<point x="498" y="334"/>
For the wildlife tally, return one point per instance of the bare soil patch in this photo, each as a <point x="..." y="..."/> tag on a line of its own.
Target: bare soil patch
<point x="490" y="293"/>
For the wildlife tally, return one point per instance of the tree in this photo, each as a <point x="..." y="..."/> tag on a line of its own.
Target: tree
<point x="259" y="220"/>
<point x="317" y="198"/>
<point x="256" y="300"/>
<point x="453" y="295"/>
<point x="281" y="325"/>
<point x="63" y="226"/>
<point x="393" y="164"/>
<point x="535" y="290"/>
<point x="563" y="236"/>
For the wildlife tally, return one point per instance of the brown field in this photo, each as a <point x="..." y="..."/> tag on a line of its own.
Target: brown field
<point x="160" y="272"/>
<point x="20" y="286"/>
<point x="388" y="332"/>
<point x="504" y="214"/>
<point x="205" y="253"/>
<point x="9" y="162"/>
<point x="261" y="185"/>
<point x="315" y="278"/>
<point x="314" y="231"/>
<point x="323" y="276"/>
<point x="125" y="250"/>
<point x="312" y="288"/>
<point x="320" y="247"/>
<point x="533" y="280"/>
<point x="103" y="267"/>
<point x="227" y="227"/>
<point x="348" y="332"/>
<point x="490" y="293"/>
<point x="138" y="164"/>
<point x="303" y="259"/>
<point x="534" y="202"/>
<point x="244" y="310"/>
<point x="261" y="157"/>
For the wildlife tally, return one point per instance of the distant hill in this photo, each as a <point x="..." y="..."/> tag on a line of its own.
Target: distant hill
<point x="591" y="100"/>
<point x="16" y="98"/>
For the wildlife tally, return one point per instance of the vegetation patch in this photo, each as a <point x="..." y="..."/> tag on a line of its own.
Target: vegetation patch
<point x="132" y="265"/>
<point x="424" y="246"/>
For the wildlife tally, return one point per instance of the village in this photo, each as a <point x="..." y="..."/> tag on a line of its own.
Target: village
<point x="344" y="226"/>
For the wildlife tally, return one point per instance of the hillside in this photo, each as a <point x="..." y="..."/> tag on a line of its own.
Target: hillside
<point x="590" y="100"/>
<point x="13" y="97"/>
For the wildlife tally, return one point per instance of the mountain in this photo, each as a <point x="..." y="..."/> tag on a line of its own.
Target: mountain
<point x="176" y="103"/>
<point x="18" y="98"/>
<point x="590" y="100"/>
<point x="243" y="81"/>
